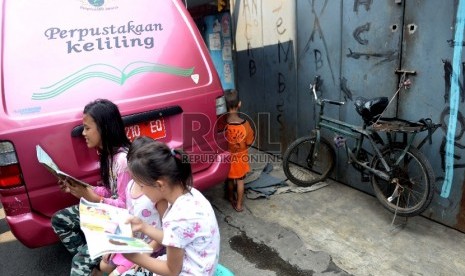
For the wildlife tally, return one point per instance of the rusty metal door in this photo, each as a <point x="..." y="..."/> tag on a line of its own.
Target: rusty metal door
<point x="358" y="45"/>
<point x="355" y="46"/>
<point x="432" y="45"/>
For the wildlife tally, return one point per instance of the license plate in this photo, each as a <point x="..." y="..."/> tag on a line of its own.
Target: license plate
<point x="155" y="129"/>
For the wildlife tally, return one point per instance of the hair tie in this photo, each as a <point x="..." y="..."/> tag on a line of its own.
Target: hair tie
<point x="173" y="153"/>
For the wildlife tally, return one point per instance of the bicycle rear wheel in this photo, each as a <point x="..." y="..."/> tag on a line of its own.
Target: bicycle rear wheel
<point x="306" y="164"/>
<point x="413" y="177"/>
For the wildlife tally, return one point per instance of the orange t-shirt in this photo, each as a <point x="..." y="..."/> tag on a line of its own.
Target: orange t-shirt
<point x="239" y="136"/>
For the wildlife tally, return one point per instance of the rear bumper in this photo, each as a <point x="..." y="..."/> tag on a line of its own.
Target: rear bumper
<point x="32" y="230"/>
<point x="215" y="174"/>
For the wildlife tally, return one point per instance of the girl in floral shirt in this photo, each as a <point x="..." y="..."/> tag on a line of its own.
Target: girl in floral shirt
<point x="139" y="205"/>
<point x="190" y="230"/>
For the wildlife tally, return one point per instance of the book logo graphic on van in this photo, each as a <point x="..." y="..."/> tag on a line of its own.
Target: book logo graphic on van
<point x="111" y="73"/>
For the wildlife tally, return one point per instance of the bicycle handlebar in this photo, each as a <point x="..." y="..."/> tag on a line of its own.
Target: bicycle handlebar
<point x="314" y="87"/>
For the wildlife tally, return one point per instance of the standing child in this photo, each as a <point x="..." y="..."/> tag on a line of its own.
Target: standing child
<point x="138" y="205"/>
<point x="240" y="137"/>
<point x="190" y="230"/>
<point x="103" y="131"/>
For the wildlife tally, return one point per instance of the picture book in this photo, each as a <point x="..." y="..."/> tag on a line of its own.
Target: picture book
<point x="50" y="165"/>
<point x="106" y="230"/>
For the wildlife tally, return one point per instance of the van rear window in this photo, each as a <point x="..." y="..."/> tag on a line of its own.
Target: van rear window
<point x="59" y="55"/>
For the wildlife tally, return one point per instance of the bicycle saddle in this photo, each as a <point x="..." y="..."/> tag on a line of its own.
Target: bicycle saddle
<point x="370" y="109"/>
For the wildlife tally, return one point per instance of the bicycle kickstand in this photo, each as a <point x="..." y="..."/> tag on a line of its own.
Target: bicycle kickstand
<point x="396" y="194"/>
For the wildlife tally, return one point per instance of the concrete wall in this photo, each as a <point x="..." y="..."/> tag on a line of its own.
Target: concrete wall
<point x="356" y="46"/>
<point x="265" y="44"/>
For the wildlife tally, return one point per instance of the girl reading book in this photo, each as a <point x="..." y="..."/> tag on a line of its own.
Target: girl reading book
<point x="190" y="231"/>
<point x="103" y="131"/>
<point x="141" y="206"/>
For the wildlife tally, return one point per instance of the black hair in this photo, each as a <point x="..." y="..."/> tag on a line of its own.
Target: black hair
<point x="232" y="98"/>
<point x="154" y="160"/>
<point x="111" y="128"/>
<point x="138" y="143"/>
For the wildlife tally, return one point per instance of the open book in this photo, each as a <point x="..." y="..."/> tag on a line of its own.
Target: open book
<point x="111" y="73"/>
<point x="106" y="230"/>
<point x="47" y="161"/>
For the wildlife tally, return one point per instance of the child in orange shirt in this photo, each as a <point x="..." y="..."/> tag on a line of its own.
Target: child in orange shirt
<point x="240" y="137"/>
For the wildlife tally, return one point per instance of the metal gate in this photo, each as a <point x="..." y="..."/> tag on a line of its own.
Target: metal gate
<point x="356" y="46"/>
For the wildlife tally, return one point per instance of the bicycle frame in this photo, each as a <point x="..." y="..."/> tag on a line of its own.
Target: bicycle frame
<point x="359" y="134"/>
<point x="401" y="175"/>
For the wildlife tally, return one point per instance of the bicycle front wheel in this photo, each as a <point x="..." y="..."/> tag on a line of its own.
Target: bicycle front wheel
<point x="410" y="189"/>
<point x="305" y="163"/>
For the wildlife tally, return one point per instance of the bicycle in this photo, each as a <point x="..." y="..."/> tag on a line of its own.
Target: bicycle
<point x="401" y="176"/>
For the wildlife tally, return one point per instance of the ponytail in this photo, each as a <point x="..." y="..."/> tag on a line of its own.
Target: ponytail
<point x="184" y="168"/>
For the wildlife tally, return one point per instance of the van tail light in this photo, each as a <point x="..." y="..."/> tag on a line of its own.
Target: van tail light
<point x="220" y="114"/>
<point x="10" y="172"/>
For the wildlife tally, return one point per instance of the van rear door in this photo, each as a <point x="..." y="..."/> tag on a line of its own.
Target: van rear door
<point x="146" y="56"/>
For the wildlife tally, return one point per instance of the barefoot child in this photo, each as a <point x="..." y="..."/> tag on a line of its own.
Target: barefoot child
<point x="240" y="137"/>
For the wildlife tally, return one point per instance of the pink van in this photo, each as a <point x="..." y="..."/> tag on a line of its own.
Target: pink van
<point x="146" y="56"/>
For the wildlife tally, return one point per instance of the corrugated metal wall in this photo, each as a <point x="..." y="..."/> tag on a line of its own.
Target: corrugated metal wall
<point x="356" y="46"/>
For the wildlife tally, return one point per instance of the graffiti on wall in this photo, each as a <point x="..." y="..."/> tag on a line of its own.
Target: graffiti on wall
<point x="317" y="30"/>
<point x="447" y="80"/>
<point x="283" y="58"/>
<point x="386" y="56"/>
<point x="365" y="3"/>
<point x="250" y="14"/>
<point x="458" y="146"/>
<point x="460" y="122"/>
<point x="453" y="96"/>
<point x="252" y="33"/>
<point x="448" y="204"/>
<point x="357" y="34"/>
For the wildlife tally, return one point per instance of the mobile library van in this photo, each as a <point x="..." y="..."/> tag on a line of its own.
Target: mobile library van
<point x="146" y="56"/>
